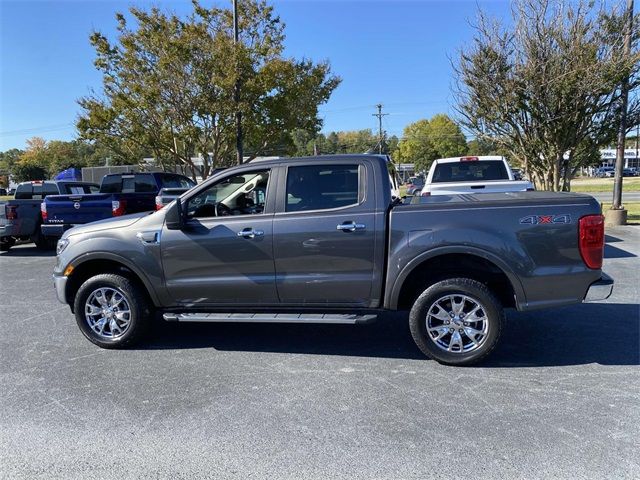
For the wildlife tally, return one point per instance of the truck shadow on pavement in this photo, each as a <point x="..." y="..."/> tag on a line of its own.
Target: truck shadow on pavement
<point x="604" y="333"/>
<point x="28" y="251"/>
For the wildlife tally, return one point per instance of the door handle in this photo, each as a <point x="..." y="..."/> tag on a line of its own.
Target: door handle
<point x="351" y="226"/>
<point x="250" y="233"/>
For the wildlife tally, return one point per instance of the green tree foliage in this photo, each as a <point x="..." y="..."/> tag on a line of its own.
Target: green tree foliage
<point x="547" y="89"/>
<point x="43" y="160"/>
<point x="354" y="141"/>
<point x="8" y="159"/>
<point x="168" y="86"/>
<point x="426" y="140"/>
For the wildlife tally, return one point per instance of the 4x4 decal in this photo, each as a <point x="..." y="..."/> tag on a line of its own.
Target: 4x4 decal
<point x="545" y="219"/>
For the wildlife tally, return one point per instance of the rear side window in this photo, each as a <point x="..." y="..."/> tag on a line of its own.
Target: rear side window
<point x="478" y="171"/>
<point x="321" y="187"/>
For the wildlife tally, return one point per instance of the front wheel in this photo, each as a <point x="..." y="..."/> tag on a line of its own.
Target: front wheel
<point x="6" y="243"/>
<point x="112" y="311"/>
<point x="456" y="321"/>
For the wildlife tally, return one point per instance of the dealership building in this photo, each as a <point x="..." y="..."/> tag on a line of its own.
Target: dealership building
<point x="631" y="159"/>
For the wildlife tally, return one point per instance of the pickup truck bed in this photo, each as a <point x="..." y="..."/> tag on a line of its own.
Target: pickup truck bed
<point x="320" y="240"/>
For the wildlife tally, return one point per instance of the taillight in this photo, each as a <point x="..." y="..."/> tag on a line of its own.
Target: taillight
<point x="11" y="212"/>
<point x="469" y="159"/>
<point x="159" y="204"/>
<point x="43" y="211"/>
<point x="425" y="194"/>
<point x="118" y="207"/>
<point x="591" y="240"/>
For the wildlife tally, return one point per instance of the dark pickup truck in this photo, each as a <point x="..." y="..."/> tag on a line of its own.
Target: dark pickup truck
<point x="120" y="194"/>
<point x="20" y="218"/>
<point x="322" y="240"/>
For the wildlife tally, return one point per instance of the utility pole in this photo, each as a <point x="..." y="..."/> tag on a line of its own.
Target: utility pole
<point x="236" y="89"/>
<point x="637" y="144"/>
<point x="380" y="132"/>
<point x="619" y="215"/>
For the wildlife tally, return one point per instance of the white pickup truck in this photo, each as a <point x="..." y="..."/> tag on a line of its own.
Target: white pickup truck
<point x="486" y="174"/>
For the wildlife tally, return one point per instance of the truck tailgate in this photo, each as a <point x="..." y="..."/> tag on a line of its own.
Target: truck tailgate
<point x="496" y="186"/>
<point x="78" y="209"/>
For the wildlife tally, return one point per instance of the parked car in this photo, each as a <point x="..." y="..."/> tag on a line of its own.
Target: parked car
<point x="605" y="172"/>
<point x="20" y="218"/>
<point x="120" y="194"/>
<point x="415" y="185"/>
<point x="486" y="174"/>
<point x="321" y="240"/>
<point x="11" y="192"/>
<point x="167" y="195"/>
<point x="3" y="192"/>
<point x="517" y="173"/>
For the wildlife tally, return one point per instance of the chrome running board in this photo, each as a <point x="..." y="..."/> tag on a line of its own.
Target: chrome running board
<point x="348" y="319"/>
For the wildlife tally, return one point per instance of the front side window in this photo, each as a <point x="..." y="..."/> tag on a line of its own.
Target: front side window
<point x="242" y="194"/>
<point x="321" y="187"/>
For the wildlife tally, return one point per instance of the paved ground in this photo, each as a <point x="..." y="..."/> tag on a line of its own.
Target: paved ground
<point x="559" y="399"/>
<point x="607" y="197"/>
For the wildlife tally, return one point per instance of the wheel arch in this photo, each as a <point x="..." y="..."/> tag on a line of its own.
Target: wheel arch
<point x="448" y="262"/>
<point x="86" y="268"/>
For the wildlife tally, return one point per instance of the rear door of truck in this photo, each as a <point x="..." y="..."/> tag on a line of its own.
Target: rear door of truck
<point x="325" y="233"/>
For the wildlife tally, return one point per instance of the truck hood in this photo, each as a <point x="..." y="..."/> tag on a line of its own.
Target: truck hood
<point x="108" y="224"/>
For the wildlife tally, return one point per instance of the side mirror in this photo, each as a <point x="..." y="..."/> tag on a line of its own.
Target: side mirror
<point x="175" y="216"/>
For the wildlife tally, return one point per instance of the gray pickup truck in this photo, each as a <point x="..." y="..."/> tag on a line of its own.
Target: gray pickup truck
<point x="322" y="240"/>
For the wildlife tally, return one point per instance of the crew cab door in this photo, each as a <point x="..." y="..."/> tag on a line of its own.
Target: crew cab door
<point x="224" y="253"/>
<point x="324" y="234"/>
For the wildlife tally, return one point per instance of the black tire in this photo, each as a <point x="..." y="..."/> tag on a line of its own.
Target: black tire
<point x="6" y="244"/>
<point x="475" y="292"/>
<point x="141" y="311"/>
<point x="42" y="242"/>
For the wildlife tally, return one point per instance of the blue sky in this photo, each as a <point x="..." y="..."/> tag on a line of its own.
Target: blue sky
<point x="390" y="52"/>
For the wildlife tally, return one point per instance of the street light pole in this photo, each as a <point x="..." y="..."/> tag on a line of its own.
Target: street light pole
<point x="236" y="89"/>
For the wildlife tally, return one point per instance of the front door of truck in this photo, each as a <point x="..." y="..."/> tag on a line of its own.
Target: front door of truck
<point x="224" y="253"/>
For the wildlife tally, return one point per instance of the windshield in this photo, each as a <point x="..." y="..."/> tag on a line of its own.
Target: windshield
<point x="470" y="171"/>
<point x="176" y="181"/>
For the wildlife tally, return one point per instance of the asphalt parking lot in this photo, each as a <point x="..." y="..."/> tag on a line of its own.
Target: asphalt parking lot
<point x="559" y="398"/>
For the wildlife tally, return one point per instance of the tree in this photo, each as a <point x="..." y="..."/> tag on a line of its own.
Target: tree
<point x="547" y="90"/>
<point x="425" y="140"/>
<point x="168" y="86"/>
<point x="8" y="159"/>
<point x="416" y="147"/>
<point x="446" y="136"/>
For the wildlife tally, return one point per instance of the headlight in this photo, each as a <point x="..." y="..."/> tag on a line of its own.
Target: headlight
<point x="62" y="244"/>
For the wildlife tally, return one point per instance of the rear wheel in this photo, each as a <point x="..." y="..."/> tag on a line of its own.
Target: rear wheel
<point x="112" y="311"/>
<point x="456" y="321"/>
<point x="42" y="242"/>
